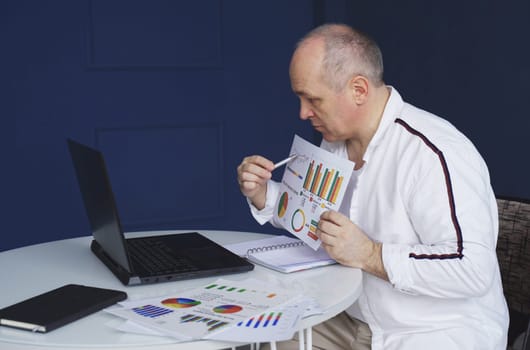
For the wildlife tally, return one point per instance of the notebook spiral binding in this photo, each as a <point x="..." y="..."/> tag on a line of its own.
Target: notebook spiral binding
<point x="274" y="247"/>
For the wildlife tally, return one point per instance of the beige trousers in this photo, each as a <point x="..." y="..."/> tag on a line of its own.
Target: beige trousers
<point x="338" y="333"/>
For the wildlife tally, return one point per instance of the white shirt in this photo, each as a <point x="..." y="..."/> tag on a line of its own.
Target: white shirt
<point x="424" y="192"/>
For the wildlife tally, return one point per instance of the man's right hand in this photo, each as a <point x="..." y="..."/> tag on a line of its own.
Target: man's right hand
<point x="252" y="176"/>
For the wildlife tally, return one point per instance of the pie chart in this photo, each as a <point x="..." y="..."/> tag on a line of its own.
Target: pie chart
<point x="282" y="205"/>
<point x="180" y="303"/>
<point x="298" y="220"/>
<point x="227" y="309"/>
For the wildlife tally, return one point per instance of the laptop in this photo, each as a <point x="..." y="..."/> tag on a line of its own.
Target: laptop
<point x="149" y="259"/>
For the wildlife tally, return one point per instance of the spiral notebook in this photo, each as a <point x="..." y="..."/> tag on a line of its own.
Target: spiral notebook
<point x="282" y="253"/>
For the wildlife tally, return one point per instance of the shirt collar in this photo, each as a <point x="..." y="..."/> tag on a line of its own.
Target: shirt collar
<point x="393" y="108"/>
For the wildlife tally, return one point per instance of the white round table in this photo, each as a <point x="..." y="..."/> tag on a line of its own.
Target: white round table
<point x="31" y="270"/>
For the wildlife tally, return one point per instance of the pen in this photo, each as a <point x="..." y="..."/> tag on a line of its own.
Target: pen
<point x="285" y="161"/>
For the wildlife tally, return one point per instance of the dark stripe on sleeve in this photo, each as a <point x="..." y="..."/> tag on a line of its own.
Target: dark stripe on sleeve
<point x="450" y="196"/>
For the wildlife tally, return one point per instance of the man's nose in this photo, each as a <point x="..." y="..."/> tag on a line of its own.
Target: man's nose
<point x="305" y="111"/>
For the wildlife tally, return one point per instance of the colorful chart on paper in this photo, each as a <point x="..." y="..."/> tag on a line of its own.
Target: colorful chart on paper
<point x="282" y="204"/>
<point x="180" y="303"/>
<point x="312" y="183"/>
<point x="211" y="323"/>
<point x="324" y="183"/>
<point x="205" y="311"/>
<point x="298" y="220"/>
<point x="227" y="309"/>
<point x="151" y="311"/>
<point x="264" y="320"/>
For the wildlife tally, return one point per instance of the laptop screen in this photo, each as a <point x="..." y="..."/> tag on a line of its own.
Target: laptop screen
<point x="99" y="201"/>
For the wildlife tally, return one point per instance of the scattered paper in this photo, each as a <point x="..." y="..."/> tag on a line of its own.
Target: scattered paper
<point x="247" y="310"/>
<point x="276" y="324"/>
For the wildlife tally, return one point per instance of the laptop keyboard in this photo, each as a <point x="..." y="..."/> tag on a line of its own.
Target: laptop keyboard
<point x="156" y="257"/>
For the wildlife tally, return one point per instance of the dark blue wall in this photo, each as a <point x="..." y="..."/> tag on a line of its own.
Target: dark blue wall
<point x="176" y="93"/>
<point x="467" y="61"/>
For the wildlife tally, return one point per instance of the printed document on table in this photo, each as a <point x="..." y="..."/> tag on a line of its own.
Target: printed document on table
<point x="204" y="311"/>
<point x="276" y="324"/>
<point x="312" y="183"/>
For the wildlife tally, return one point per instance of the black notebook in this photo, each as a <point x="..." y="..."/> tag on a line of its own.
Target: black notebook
<point x="53" y="309"/>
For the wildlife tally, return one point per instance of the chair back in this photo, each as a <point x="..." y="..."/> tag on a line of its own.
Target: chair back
<point x="513" y="251"/>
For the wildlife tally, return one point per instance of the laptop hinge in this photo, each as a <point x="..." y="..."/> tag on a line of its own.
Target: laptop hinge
<point x="123" y="275"/>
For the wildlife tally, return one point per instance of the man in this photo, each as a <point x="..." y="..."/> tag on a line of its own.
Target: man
<point x="419" y="216"/>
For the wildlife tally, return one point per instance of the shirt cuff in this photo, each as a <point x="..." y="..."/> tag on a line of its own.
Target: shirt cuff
<point x="264" y="215"/>
<point x="397" y="264"/>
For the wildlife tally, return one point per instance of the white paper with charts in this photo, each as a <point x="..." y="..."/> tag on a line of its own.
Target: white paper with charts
<point x="276" y="324"/>
<point x="206" y="311"/>
<point x="312" y="183"/>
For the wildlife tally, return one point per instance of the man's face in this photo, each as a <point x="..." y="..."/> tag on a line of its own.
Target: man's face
<point x="326" y="109"/>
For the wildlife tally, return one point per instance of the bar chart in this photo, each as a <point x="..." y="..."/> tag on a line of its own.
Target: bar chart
<point x="324" y="183"/>
<point x="263" y="320"/>
<point x="211" y="323"/>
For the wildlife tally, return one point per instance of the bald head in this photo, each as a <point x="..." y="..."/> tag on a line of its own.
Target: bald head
<point x="345" y="53"/>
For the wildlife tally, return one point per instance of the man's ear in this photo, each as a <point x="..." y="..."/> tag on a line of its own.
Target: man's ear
<point x="359" y="86"/>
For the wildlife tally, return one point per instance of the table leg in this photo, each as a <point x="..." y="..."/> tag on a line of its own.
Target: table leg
<point x="309" y="341"/>
<point x="301" y="339"/>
